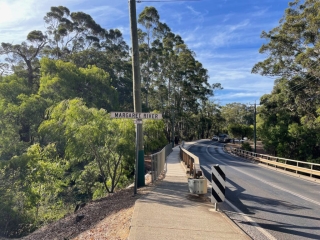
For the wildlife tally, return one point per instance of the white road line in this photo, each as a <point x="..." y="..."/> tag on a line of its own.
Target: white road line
<point x="247" y="218"/>
<point x="260" y="229"/>
<point x="270" y="184"/>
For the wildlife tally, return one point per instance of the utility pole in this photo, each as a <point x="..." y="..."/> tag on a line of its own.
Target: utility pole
<point x="255" y="127"/>
<point x="139" y="171"/>
<point x="172" y="130"/>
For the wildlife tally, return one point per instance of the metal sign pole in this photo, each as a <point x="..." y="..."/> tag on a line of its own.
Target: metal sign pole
<point x="136" y="86"/>
<point x="137" y="160"/>
<point x="139" y="164"/>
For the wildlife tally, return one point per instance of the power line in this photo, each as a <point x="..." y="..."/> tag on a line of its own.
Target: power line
<point x="304" y="83"/>
<point x="302" y="74"/>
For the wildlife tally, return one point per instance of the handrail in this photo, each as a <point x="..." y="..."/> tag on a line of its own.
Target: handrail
<point x="192" y="162"/>
<point x="158" y="161"/>
<point x="296" y="166"/>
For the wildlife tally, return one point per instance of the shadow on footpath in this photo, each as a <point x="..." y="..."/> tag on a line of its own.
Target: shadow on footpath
<point x="175" y="194"/>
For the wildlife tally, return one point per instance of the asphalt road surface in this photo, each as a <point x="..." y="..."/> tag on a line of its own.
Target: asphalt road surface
<point x="265" y="203"/>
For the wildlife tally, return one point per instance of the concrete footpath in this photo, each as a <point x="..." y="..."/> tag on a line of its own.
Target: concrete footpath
<point x="169" y="211"/>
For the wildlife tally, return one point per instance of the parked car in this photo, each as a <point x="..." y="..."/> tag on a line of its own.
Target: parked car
<point x="214" y="138"/>
<point x="224" y="138"/>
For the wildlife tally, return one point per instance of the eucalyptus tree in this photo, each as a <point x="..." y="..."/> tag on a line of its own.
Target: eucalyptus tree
<point x="154" y="135"/>
<point x="289" y="114"/>
<point x="23" y="59"/>
<point x="237" y="113"/>
<point x="293" y="46"/>
<point x="76" y="37"/>
<point x="174" y="81"/>
<point x="293" y="50"/>
<point x="183" y="79"/>
<point x="193" y="89"/>
<point x="64" y="80"/>
<point x="274" y="123"/>
<point x="106" y="154"/>
<point x="117" y="52"/>
<point x="209" y="119"/>
<point x="21" y="113"/>
<point x="70" y="32"/>
<point x="4" y="69"/>
<point x="111" y="55"/>
<point x="30" y="188"/>
<point x="149" y="19"/>
<point x="19" y="116"/>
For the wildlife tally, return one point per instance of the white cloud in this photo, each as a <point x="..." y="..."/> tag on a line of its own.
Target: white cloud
<point x="178" y="17"/>
<point x="240" y="95"/>
<point x="13" y="12"/>
<point x="226" y="17"/>
<point x="260" y="12"/>
<point x="241" y="25"/>
<point x="233" y="71"/>
<point x="228" y="34"/>
<point x="107" y="14"/>
<point x="199" y="16"/>
<point x="194" y="12"/>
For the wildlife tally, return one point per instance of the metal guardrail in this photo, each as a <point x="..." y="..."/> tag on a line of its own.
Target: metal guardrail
<point x="307" y="168"/>
<point x="158" y="161"/>
<point x="191" y="161"/>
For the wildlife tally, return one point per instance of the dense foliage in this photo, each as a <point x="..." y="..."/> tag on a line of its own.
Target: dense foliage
<point x="239" y="120"/>
<point x="173" y="81"/>
<point x="288" y="121"/>
<point x="58" y="144"/>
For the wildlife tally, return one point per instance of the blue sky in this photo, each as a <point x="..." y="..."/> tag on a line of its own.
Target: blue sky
<point x="224" y="34"/>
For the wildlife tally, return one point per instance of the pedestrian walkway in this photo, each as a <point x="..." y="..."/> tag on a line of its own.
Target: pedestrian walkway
<point x="170" y="212"/>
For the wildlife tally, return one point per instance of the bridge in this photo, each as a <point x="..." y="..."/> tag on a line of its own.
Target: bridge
<point x="266" y="198"/>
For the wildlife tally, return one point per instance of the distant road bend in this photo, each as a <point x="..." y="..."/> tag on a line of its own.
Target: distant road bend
<point x="265" y="203"/>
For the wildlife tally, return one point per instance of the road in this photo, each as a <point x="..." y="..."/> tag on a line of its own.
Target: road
<point x="265" y="203"/>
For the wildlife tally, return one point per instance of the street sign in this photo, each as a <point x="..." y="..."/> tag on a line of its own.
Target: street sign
<point x="133" y="115"/>
<point x="137" y="117"/>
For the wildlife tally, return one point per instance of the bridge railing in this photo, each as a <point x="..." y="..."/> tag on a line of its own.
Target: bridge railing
<point x="158" y="162"/>
<point x="191" y="161"/>
<point x="298" y="167"/>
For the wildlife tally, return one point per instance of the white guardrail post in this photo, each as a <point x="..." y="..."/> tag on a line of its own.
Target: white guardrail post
<point x="218" y="182"/>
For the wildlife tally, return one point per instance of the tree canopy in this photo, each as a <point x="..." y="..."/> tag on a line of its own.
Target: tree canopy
<point x="58" y="144"/>
<point x="288" y="121"/>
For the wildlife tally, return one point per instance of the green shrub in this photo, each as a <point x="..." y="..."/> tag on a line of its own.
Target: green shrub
<point x="246" y="146"/>
<point x="154" y="136"/>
